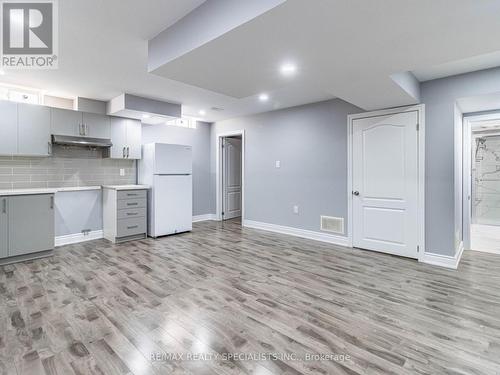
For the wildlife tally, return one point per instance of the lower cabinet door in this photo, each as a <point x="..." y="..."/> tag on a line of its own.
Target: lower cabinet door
<point x="31" y="224"/>
<point x="4" y="239"/>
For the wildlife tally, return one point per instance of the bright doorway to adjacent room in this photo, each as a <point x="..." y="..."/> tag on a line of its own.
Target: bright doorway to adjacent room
<point x="230" y="176"/>
<point x="482" y="188"/>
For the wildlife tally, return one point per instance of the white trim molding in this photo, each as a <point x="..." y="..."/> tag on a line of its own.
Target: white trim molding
<point x="78" y="237"/>
<point x="309" y="234"/>
<point x="205" y="217"/>
<point x="420" y="108"/>
<point x="446" y="261"/>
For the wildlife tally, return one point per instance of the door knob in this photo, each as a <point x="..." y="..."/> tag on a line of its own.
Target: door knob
<point x="356" y="193"/>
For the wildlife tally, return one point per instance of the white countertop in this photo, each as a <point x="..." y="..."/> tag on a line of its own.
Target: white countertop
<point x="126" y="187"/>
<point x="10" y="192"/>
<point x="4" y="193"/>
<point x="78" y="188"/>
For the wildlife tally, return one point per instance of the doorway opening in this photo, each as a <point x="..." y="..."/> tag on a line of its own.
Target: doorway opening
<point x="482" y="183"/>
<point x="230" y="177"/>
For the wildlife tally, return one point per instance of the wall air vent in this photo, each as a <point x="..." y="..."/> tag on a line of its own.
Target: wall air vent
<point x="332" y="224"/>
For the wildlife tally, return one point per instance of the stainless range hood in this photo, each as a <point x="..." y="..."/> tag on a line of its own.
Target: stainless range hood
<point x="67" y="140"/>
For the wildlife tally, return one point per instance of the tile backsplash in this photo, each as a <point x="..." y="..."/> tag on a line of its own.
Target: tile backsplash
<point x="67" y="167"/>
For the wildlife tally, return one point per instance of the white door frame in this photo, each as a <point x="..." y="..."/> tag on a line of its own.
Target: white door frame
<point x="467" y="172"/>
<point x="420" y="109"/>
<point x="218" y="174"/>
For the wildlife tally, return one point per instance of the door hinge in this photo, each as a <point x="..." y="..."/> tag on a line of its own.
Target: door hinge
<point x="418" y="126"/>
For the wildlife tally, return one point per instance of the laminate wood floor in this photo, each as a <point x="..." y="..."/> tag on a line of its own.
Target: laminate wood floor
<point x="248" y="302"/>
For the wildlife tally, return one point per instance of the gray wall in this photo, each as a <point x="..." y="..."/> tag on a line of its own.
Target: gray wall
<point x="440" y="97"/>
<point x="78" y="210"/>
<point x="311" y="143"/>
<point x="199" y="139"/>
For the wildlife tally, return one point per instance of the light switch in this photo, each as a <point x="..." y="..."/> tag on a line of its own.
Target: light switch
<point x="122" y="171"/>
<point x="278" y="164"/>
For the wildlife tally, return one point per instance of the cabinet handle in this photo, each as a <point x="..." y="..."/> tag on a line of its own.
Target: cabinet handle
<point x="131" y="195"/>
<point x="123" y="152"/>
<point x="49" y="148"/>
<point x="80" y="129"/>
<point x="128" y="152"/>
<point x="132" y="213"/>
<point x="133" y="226"/>
<point x="86" y="129"/>
<point x="132" y="204"/>
<point x="4" y="206"/>
<point x="52" y="202"/>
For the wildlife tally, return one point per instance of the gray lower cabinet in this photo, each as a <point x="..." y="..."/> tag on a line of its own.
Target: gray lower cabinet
<point x="26" y="224"/>
<point x="4" y="228"/>
<point x="124" y="214"/>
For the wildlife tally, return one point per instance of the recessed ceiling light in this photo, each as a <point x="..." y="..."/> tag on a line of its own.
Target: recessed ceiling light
<point x="263" y="97"/>
<point x="288" y="69"/>
<point x="202" y="112"/>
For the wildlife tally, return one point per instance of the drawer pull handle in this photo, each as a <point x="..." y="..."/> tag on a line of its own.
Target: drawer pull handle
<point x="131" y="213"/>
<point x="132" y="204"/>
<point x="131" y="195"/>
<point x="133" y="226"/>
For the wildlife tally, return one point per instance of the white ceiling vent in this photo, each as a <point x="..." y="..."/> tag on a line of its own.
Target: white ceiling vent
<point x="332" y="224"/>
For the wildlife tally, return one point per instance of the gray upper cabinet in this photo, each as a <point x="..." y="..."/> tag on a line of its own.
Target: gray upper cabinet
<point x="8" y="128"/>
<point x="126" y="135"/>
<point x="96" y="126"/>
<point x="134" y="139"/>
<point x="65" y="122"/>
<point x="79" y="124"/>
<point x="4" y="239"/>
<point x="119" y="138"/>
<point x="31" y="224"/>
<point x="33" y="130"/>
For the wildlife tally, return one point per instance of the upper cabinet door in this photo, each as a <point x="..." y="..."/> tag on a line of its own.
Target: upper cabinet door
<point x="33" y="129"/>
<point x="96" y="126"/>
<point x="134" y="139"/>
<point x="66" y="122"/>
<point x="118" y="138"/>
<point x="8" y="128"/>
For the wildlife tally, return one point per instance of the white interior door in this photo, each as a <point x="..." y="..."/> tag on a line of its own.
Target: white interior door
<point x="385" y="183"/>
<point x="232" y="178"/>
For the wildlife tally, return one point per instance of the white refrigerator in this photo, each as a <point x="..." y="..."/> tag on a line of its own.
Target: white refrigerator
<point x="167" y="168"/>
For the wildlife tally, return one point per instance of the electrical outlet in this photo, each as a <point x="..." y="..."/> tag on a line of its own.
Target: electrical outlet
<point x="278" y="164"/>
<point x="296" y="210"/>
<point x="122" y="171"/>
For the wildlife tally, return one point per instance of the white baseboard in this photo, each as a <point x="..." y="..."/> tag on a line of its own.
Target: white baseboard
<point x="444" y="260"/>
<point x="78" y="237"/>
<point x="309" y="234"/>
<point x="205" y="217"/>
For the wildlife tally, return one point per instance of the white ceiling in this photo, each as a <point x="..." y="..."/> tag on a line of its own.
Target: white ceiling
<point x="472" y="64"/>
<point x="343" y="48"/>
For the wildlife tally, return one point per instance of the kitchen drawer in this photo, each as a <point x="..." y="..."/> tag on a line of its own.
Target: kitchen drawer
<point x="131" y="213"/>
<point x="131" y="203"/>
<point x="130" y="227"/>
<point x="131" y="194"/>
